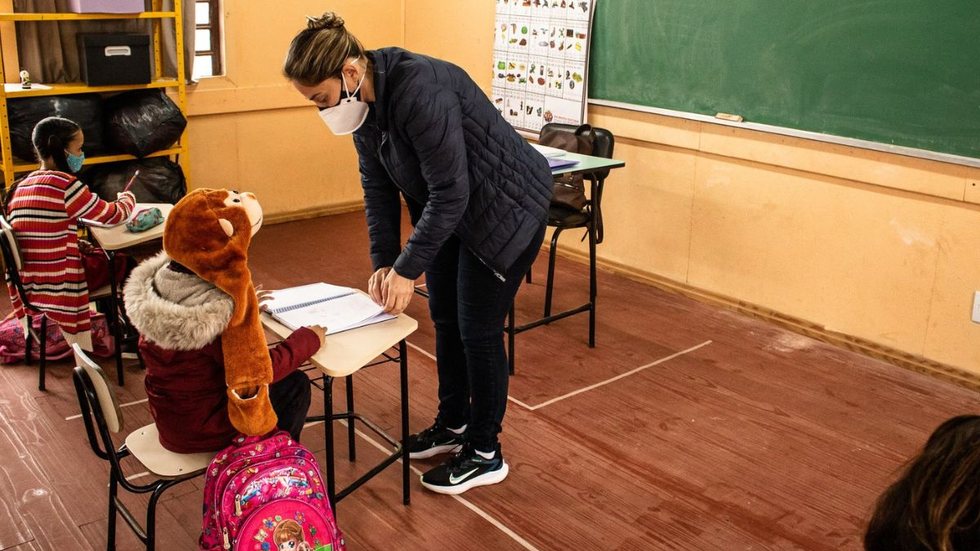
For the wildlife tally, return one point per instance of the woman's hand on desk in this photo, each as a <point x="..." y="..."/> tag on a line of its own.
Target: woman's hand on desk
<point x="375" y="284"/>
<point x="390" y="290"/>
<point x="321" y="332"/>
<point x="396" y="292"/>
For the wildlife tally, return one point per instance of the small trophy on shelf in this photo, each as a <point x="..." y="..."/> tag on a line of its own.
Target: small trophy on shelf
<point x="25" y="79"/>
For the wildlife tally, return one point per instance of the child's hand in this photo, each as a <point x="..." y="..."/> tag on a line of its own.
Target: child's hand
<point x="321" y="332"/>
<point x="263" y="297"/>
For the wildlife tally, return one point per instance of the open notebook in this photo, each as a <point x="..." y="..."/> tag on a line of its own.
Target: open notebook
<point x="331" y="306"/>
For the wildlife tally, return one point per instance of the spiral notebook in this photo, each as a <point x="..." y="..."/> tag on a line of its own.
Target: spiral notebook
<point x="334" y="307"/>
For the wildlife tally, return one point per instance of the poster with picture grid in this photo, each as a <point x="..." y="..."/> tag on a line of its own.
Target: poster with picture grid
<point x="540" y="57"/>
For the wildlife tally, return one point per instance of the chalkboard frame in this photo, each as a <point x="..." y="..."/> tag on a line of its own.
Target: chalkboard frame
<point x="796" y="133"/>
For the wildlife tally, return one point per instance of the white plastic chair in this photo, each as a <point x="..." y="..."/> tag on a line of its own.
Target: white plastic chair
<point x="102" y="416"/>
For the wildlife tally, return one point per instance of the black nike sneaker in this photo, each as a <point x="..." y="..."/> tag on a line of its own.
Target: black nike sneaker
<point x="467" y="469"/>
<point x="433" y="441"/>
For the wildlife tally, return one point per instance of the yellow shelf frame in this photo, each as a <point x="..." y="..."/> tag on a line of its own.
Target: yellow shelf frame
<point x="14" y="90"/>
<point x="24" y="166"/>
<point x="9" y="165"/>
<point x="85" y="16"/>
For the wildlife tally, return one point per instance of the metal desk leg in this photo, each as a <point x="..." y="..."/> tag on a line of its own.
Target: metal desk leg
<point x="349" y="383"/>
<point x="114" y="317"/>
<point x="328" y="439"/>
<point x="406" y="470"/>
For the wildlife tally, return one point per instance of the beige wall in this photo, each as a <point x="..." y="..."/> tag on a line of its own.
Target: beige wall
<point x="877" y="246"/>
<point x="814" y="231"/>
<point x="868" y="244"/>
<point x="251" y="130"/>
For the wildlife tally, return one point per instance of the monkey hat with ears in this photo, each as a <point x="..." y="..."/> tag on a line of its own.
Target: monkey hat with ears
<point x="209" y="232"/>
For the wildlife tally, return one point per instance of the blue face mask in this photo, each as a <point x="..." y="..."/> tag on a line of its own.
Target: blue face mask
<point x="75" y="161"/>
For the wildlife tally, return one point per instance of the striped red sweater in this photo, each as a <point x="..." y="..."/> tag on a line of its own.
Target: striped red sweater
<point x="44" y="211"/>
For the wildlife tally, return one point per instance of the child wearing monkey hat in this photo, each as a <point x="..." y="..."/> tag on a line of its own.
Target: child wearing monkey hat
<point x="209" y="372"/>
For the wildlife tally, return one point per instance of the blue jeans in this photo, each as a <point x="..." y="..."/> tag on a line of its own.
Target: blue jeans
<point x="468" y="305"/>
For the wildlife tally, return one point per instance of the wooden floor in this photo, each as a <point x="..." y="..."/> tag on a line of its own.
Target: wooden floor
<point x="687" y="427"/>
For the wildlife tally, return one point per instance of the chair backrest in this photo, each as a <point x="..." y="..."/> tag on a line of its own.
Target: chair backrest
<point x="13" y="262"/>
<point x="602" y="147"/>
<point x="9" y="243"/>
<point x="105" y="407"/>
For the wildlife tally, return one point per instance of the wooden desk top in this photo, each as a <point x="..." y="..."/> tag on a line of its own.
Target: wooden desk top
<point x="118" y="237"/>
<point x="345" y="353"/>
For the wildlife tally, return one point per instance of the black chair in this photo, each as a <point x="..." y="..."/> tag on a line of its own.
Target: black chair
<point x="102" y="416"/>
<point x="564" y="219"/>
<point x="12" y="264"/>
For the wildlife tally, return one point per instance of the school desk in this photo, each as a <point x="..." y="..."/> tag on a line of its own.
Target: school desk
<point x="343" y="355"/>
<point x="114" y="239"/>
<point x="586" y="164"/>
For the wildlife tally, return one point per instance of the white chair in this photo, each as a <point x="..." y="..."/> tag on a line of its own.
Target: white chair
<point x="13" y="263"/>
<point x="102" y="416"/>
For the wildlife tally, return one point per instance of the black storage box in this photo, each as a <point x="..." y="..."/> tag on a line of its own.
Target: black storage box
<point x="114" y="58"/>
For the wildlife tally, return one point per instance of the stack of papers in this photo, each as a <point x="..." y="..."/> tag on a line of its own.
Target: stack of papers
<point x="560" y="162"/>
<point x="333" y="307"/>
<point x="556" y="157"/>
<point x="548" y="151"/>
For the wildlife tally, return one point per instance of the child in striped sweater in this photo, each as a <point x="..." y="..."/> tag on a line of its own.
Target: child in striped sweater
<point x="43" y="208"/>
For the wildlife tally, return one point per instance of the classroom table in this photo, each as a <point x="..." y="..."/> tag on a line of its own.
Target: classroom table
<point x="112" y="240"/>
<point x="117" y="238"/>
<point x="587" y="164"/>
<point x="343" y="355"/>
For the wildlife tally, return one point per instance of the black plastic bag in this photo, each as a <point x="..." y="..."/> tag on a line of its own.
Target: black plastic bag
<point x="142" y="121"/>
<point x="160" y="180"/>
<point x="25" y="113"/>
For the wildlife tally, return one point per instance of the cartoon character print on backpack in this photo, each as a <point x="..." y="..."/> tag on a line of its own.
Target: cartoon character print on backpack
<point x="292" y="530"/>
<point x="258" y="488"/>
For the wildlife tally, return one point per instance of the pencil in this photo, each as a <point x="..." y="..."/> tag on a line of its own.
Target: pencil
<point x="131" y="180"/>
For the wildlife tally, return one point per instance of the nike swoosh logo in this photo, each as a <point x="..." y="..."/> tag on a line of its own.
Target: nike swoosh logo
<point x="458" y="479"/>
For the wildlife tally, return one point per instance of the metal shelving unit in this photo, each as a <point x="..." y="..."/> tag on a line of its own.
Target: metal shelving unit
<point x="11" y="165"/>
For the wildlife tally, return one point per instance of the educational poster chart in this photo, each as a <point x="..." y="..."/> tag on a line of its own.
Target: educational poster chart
<point x="540" y="55"/>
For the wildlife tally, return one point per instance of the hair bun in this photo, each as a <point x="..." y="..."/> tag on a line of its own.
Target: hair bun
<point x="329" y="20"/>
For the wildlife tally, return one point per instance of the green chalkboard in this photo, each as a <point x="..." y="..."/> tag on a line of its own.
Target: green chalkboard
<point x="902" y="72"/>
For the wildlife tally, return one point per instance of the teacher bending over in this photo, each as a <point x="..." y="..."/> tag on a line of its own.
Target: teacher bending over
<point x="478" y="197"/>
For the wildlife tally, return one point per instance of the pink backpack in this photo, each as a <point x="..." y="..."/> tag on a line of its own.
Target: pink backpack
<point x="262" y="494"/>
<point x="13" y="347"/>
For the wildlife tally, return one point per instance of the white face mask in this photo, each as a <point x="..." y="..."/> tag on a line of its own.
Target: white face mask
<point x="348" y="115"/>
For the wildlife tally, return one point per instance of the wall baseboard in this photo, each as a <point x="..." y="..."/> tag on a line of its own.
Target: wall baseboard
<point x="961" y="377"/>
<point x="316" y="212"/>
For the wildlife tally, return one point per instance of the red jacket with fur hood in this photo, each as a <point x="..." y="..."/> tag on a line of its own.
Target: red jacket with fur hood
<point x="180" y="318"/>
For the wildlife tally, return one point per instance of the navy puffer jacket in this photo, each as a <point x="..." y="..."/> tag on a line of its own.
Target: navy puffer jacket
<point x="433" y="135"/>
